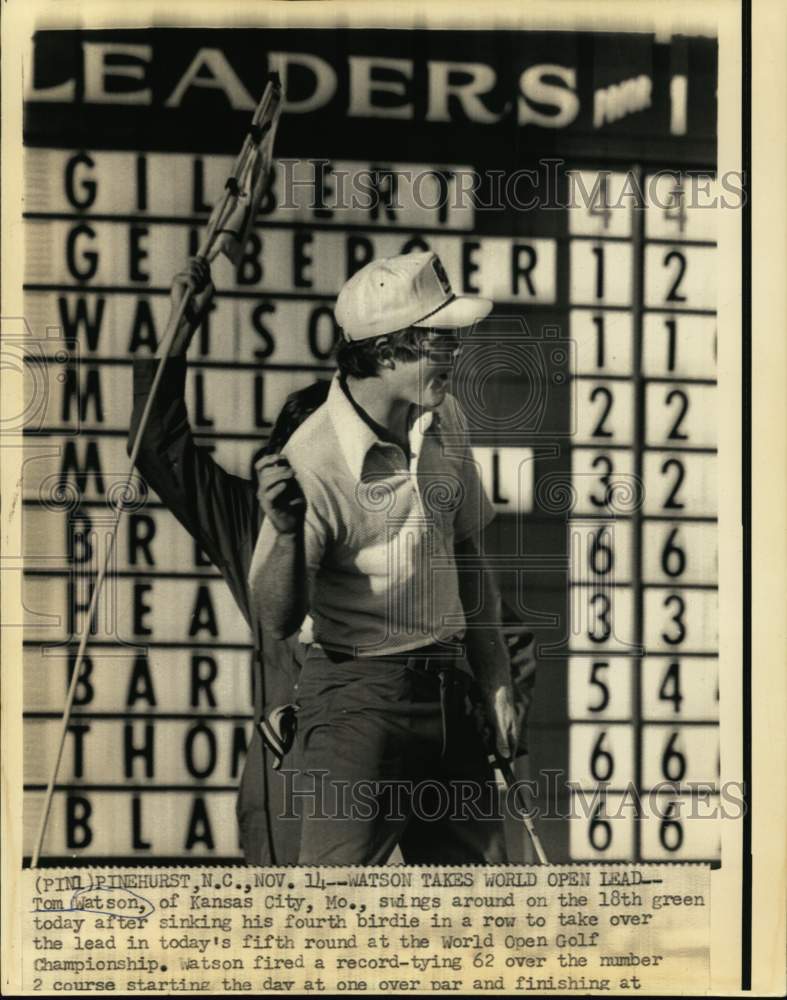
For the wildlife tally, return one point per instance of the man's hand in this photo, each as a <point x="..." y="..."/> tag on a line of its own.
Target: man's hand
<point x="521" y="652"/>
<point x="196" y="276"/>
<point x="280" y="494"/>
<point x="502" y="711"/>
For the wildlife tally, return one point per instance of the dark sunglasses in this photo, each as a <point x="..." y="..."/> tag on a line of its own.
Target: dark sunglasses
<point x="439" y="346"/>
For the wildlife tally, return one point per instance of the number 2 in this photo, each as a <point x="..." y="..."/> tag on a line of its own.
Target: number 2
<point x="675" y="255"/>
<point x="672" y="502"/>
<point x="600" y="430"/>
<point x="676" y="434"/>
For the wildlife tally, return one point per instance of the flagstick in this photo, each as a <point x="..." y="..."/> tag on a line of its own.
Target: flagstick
<point x="214" y="225"/>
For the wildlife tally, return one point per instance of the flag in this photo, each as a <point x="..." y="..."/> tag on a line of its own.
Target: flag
<point x="248" y="187"/>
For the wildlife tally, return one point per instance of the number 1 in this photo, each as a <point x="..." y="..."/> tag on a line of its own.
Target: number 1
<point x="672" y="330"/>
<point x="598" y="253"/>
<point x="599" y="324"/>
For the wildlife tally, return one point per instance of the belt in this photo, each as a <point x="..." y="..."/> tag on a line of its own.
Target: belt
<point x="434" y="658"/>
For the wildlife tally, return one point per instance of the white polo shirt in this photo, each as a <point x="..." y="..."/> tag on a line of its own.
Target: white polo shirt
<point x="380" y="531"/>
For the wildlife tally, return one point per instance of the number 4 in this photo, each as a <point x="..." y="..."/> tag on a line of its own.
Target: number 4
<point x="676" y="211"/>
<point x="670" y="686"/>
<point x="599" y="206"/>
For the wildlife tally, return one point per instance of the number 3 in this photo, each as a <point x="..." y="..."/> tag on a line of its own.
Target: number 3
<point x="606" y="463"/>
<point x="677" y="619"/>
<point x="602" y="616"/>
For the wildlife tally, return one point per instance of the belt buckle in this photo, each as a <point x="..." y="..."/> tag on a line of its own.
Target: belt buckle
<point x="438" y="664"/>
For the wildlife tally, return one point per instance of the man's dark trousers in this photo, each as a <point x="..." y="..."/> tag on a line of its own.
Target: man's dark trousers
<point x="389" y="754"/>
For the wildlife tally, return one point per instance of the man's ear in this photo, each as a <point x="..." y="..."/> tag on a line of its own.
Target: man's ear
<point x="384" y="353"/>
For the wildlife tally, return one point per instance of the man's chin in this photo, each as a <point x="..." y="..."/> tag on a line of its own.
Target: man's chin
<point x="434" y="394"/>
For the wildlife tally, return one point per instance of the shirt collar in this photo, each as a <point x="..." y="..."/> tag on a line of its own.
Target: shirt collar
<point x="356" y="437"/>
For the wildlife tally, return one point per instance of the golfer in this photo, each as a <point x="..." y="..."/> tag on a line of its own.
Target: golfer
<point x="376" y="505"/>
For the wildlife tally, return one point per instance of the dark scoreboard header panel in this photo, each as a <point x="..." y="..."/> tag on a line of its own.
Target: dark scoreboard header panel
<point x="506" y="95"/>
<point x="569" y="177"/>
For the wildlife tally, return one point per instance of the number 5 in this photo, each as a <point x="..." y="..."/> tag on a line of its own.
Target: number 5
<point x="601" y="684"/>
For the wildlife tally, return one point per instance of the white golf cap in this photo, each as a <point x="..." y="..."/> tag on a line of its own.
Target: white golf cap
<point x="396" y="292"/>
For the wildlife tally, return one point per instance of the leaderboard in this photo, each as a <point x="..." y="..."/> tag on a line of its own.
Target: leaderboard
<point x="589" y="393"/>
<point x="643" y="688"/>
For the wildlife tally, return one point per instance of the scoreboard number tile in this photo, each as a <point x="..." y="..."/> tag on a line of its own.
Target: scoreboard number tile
<point x="600" y="273"/>
<point x="680" y="620"/>
<point x="681" y="828"/>
<point x="604" y="341"/>
<point x="601" y="827"/>
<point x="682" y="754"/>
<point x="680" y="277"/>
<point x="680" y="415"/>
<point x="603" y="481"/>
<point x="599" y="203"/>
<point x="675" y="688"/>
<point x="605" y="412"/>
<point x="600" y="687"/>
<point x="681" y="207"/>
<point x="680" y="485"/>
<point x="679" y="346"/>
<point x="602" y="618"/>
<point x="601" y="753"/>
<point x="600" y="551"/>
<point x="680" y="552"/>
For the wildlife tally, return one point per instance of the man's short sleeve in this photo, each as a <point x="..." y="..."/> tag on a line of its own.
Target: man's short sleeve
<point x="475" y="511"/>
